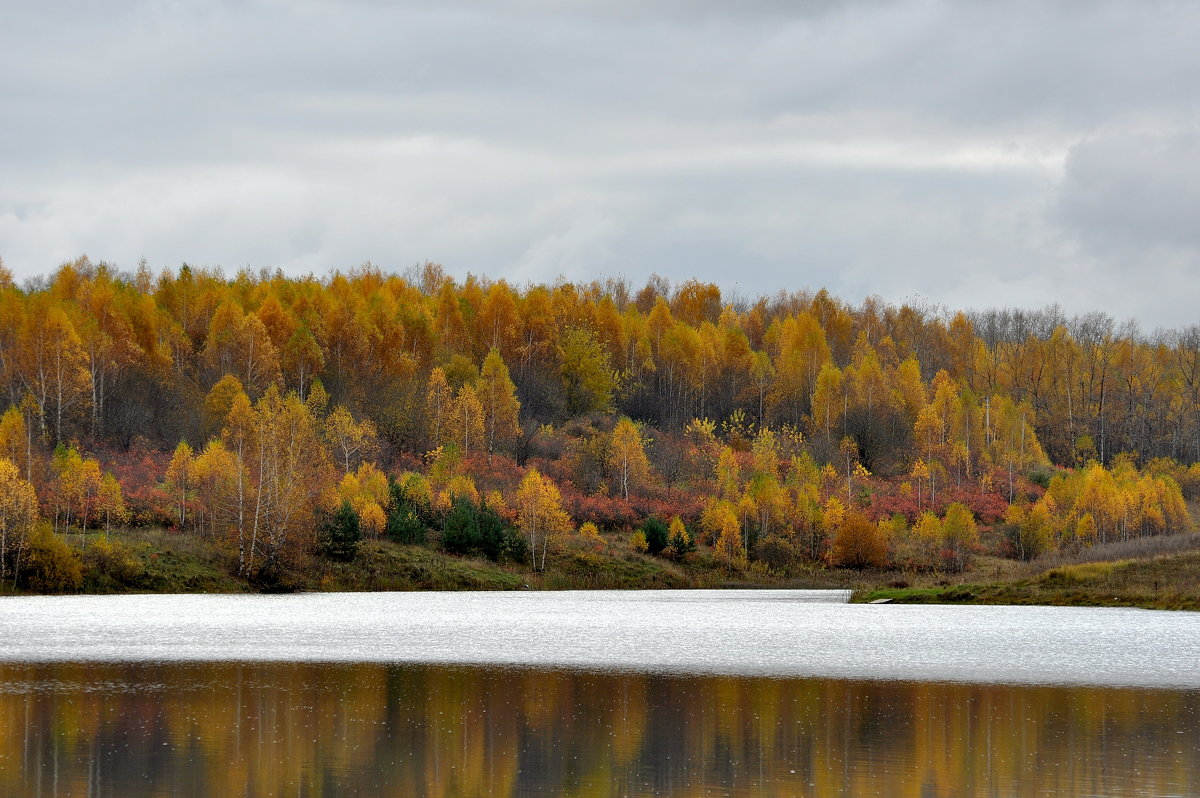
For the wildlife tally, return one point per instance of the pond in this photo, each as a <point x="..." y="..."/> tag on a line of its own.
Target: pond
<point x="592" y="693"/>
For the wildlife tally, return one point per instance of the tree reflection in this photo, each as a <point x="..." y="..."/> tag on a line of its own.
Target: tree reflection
<point x="326" y="730"/>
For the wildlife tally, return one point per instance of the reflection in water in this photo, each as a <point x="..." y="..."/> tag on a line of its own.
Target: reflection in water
<point x="327" y="730"/>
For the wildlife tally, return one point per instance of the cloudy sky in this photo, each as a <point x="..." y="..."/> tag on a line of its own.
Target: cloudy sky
<point x="965" y="153"/>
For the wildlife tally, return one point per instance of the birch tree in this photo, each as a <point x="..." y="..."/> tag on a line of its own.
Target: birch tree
<point x="540" y="515"/>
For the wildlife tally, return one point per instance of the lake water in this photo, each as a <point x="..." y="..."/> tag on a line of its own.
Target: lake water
<point x="742" y="693"/>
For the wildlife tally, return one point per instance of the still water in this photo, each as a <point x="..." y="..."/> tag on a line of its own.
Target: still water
<point x="733" y="693"/>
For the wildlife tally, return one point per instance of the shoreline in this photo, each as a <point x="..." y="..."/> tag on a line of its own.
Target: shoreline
<point x="156" y="561"/>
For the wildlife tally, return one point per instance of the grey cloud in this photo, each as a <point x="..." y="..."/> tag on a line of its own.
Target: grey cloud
<point x="1135" y="192"/>
<point x="969" y="152"/>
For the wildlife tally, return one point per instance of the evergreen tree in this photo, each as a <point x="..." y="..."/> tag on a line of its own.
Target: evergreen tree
<point x="404" y="523"/>
<point x="657" y="535"/>
<point x="460" y="532"/>
<point x="342" y="534"/>
<point x="493" y="532"/>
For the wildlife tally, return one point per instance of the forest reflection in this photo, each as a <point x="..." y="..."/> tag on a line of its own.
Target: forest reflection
<point x="330" y="730"/>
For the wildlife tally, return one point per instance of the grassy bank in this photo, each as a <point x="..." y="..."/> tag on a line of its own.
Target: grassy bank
<point x="161" y="561"/>
<point x="1164" y="574"/>
<point x="382" y="565"/>
<point x="1158" y="573"/>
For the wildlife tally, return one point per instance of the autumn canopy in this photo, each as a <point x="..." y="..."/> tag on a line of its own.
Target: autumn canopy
<point x="789" y="429"/>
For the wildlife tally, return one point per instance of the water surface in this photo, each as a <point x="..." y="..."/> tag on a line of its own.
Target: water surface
<point x="722" y="693"/>
<point x="745" y="632"/>
<point x="331" y="730"/>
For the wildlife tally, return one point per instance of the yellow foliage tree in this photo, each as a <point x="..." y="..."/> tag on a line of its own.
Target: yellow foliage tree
<point x="110" y="501"/>
<point x="627" y="456"/>
<point x="16" y="442"/>
<point x="219" y="401"/>
<point x="75" y="488"/>
<point x="959" y="534"/>
<point x="728" y="474"/>
<point x="467" y="420"/>
<point x="288" y="466"/>
<point x="215" y="476"/>
<point x="18" y="514"/>
<point x="540" y="514"/>
<point x="351" y="440"/>
<point x="680" y="540"/>
<point x="829" y="400"/>
<point x="833" y="515"/>
<point x="178" y="478"/>
<point x="765" y="451"/>
<point x="498" y="395"/>
<point x="729" y="547"/>
<point x="439" y="407"/>
<point x="53" y="366"/>
<point x="590" y="534"/>
<point x="1085" y="529"/>
<point x="367" y="491"/>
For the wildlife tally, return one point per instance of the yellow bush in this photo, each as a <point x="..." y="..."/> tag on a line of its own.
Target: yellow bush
<point x="52" y="565"/>
<point x="114" y="560"/>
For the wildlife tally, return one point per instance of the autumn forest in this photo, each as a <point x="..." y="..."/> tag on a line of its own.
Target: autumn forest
<point x="284" y="421"/>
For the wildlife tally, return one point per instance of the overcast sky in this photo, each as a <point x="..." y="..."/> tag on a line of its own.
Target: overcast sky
<point x="966" y="153"/>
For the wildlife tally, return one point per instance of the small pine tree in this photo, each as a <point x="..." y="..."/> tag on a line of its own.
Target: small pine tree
<point x="460" y="533"/>
<point x="494" y="534"/>
<point x="515" y="548"/>
<point x="657" y="535"/>
<point x="342" y="534"/>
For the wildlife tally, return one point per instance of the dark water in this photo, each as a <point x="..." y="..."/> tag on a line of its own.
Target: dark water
<point x="306" y="729"/>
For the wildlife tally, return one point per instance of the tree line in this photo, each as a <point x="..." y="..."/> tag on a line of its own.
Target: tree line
<point x="250" y="409"/>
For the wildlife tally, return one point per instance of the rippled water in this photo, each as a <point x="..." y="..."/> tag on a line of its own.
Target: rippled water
<point x="770" y="632"/>
<point x="738" y="693"/>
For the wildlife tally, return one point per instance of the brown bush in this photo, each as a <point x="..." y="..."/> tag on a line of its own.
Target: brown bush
<point x="778" y="553"/>
<point x="859" y="543"/>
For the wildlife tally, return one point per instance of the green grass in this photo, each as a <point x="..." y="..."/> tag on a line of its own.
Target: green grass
<point x="155" y="561"/>
<point x="383" y="565"/>
<point x="587" y="570"/>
